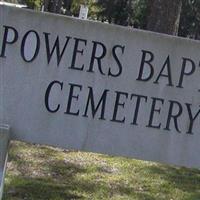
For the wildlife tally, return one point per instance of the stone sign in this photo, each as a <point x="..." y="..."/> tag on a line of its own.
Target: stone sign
<point x="95" y="87"/>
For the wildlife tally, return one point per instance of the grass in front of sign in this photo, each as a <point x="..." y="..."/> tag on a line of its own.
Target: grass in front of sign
<point x="45" y="173"/>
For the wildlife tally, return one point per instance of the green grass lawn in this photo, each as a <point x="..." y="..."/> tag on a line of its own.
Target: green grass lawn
<point x="44" y="173"/>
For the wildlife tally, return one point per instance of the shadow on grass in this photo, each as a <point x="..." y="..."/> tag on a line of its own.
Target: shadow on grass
<point x="184" y="179"/>
<point x="36" y="188"/>
<point x="59" y="185"/>
<point x="44" y="189"/>
<point x="64" y="183"/>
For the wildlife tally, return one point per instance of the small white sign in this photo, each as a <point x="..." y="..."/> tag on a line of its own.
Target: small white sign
<point x="83" y="12"/>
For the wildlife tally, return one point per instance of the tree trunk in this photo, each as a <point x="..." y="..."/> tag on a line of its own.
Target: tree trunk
<point x="46" y="5"/>
<point x="67" y="5"/>
<point x="57" y="6"/>
<point x="53" y="6"/>
<point x="164" y="16"/>
<point x="129" y="12"/>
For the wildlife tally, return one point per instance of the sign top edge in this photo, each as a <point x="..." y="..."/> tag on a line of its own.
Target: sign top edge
<point x="98" y="23"/>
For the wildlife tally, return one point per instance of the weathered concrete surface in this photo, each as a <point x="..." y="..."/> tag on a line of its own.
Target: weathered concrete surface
<point x="142" y="87"/>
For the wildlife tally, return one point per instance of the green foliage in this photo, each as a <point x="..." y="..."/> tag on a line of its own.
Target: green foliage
<point x="123" y="12"/>
<point x="190" y="19"/>
<point x="140" y="13"/>
<point x="115" y="11"/>
<point x="32" y="4"/>
<point x="13" y="1"/>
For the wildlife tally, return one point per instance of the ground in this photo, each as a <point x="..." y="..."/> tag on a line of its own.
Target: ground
<point x="44" y="173"/>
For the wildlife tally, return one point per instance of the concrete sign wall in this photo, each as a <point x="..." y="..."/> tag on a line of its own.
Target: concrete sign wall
<point x="97" y="87"/>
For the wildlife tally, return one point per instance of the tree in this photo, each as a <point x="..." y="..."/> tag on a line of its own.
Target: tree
<point x="116" y="11"/>
<point x="190" y="19"/>
<point x="53" y="6"/>
<point x="33" y="4"/>
<point x="140" y="16"/>
<point x="106" y="10"/>
<point x="67" y="6"/>
<point x="123" y="12"/>
<point x="156" y="15"/>
<point x="164" y="16"/>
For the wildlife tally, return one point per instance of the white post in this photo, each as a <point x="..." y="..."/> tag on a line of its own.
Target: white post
<point x="83" y="13"/>
<point x="4" y="141"/>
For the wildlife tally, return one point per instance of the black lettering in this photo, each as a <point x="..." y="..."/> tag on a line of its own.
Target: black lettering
<point x="153" y="110"/>
<point x="56" y="46"/>
<point x="149" y="65"/>
<point x="173" y="116"/>
<point x="184" y="72"/>
<point x="137" y="107"/>
<point x="117" y="104"/>
<point x="76" y="51"/>
<point x="168" y="75"/>
<point x="191" y="117"/>
<point x="96" y="57"/>
<point x="117" y="60"/>
<point x="36" y="49"/>
<point x="72" y="96"/>
<point x="94" y="108"/>
<point x="47" y="96"/>
<point x="6" y="41"/>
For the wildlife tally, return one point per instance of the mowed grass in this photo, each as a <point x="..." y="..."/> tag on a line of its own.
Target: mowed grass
<point x="44" y="173"/>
